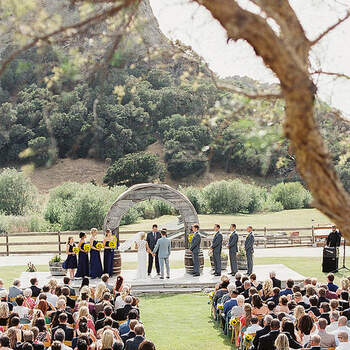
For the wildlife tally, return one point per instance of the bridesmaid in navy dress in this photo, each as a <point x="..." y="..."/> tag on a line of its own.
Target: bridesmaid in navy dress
<point x="71" y="261"/>
<point x="95" y="258"/>
<point x="108" y="254"/>
<point x="83" y="259"/>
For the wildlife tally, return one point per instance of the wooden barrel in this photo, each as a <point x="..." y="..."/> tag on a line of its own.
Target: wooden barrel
<point x="117" y="263"/>
<point x="224" y="261"/>
<point x="189" y="261"/>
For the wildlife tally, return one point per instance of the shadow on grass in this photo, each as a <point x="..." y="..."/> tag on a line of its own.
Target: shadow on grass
<point x="225" y="338"/>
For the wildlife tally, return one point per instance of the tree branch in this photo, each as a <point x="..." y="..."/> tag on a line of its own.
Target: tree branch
<point x="100" y="16"/>
<point x="335" y="25"/>
<point x="338" y="75"/>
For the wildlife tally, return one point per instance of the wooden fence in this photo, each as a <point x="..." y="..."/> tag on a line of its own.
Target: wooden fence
<point x="54" y="242"/>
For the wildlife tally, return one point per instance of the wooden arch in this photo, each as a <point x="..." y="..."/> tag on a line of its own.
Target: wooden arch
<point x="141" y="192"/>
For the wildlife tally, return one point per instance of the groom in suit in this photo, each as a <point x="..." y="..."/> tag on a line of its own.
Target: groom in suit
<point x="216" y="247"/>
<point x="163" y="248"/>
<point x="232" y="248"/>
<point x="195" y="247"/>
<point x="152" y="238"/>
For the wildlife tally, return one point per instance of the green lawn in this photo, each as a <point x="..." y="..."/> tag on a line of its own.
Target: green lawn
<point x="181" y="322"/>
<point x="282" y="219"/>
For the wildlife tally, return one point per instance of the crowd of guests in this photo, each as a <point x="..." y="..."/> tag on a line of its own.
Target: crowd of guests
<point x="56" y="317"/>
<point x="311" y="315"/>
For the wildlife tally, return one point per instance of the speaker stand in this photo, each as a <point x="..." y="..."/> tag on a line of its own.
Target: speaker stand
<point x="344" y="266"/>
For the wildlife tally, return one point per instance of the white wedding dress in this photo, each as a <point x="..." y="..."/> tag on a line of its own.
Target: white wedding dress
<point x="141" y="260"/>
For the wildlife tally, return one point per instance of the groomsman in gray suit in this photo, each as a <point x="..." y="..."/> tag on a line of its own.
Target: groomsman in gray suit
<point x="195" y="246"/>
<point x="232" y="248"/>
<point x="249" y="249"/>
<point x="216" y="247"/>
<point x="163" y="247"/>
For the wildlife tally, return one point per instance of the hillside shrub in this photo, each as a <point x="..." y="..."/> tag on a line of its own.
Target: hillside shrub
<point x="270" y="205"/>
<point x="196" y="198"/>
<point x="291" y="195"/>
<point x="344" y="175"/>
<point x="17" y="194"/>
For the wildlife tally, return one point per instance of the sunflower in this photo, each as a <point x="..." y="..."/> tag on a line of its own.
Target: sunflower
<point x="112" y="244"/>
<point x="99" y="245"/>
<point x="190" y="237"/>
<point x="219" y="307"/>
<point x="75" y="250"/>
<point x="87" y="247"/>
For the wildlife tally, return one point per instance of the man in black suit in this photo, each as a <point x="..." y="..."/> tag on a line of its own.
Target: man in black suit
<point x="28" y="337"/>
<point x="131" y="334"/>
<point x="152" y="238"/>
<point x="267" y="341"/>
<point x="195" y="247"/>
<point x="68" y="331"/>
<point x="334" y="238"/>
<point x="276" y="282"/>
<point x="216" y="248"/>
<point x="133" y="344"/>
<point x="233" y="249"/>
<point x="66" y="283"/>
<point x="261" y="332"/>
<point x="34" y="287"/>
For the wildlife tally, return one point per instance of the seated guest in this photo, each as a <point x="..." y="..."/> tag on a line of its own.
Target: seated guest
<point x="68" y="331"/>
<point x="84" y="313"/>
<point x="275" y="282"/>
<point x="29" y="302"/>
<point x="23" y="312"/>
<point x="246" y="288"/>
<point x="329" y="295"/>
<point x="34" y="287"/>
<point x="119" y="284"/>
<point x="43" y="335"/>
<point x="107" y="313"/>
<point x="147" y="345"/>
<point x="221" y="289"/>
<point x="60" y="338"/>
<point x="15" y="289"/>
<point x="238" y="277"/>
<point x="263" y="331"/>
<point x="4" y="299"/>
<point x="69" y="301"/>
<point x="232" y="301"/>
<point x="314" y="282"/>
<point x="51" y="298"/>
<point x="106" y="301"/>
<point x="254" y="283"/>
<point x="342" y="326"/>
<point x="238" y="310"/>
<point x="124" y="328"/>
<point x="289" y="289"/>
<point x="289" y="331"/>
<point x="343" y="341"/>
<point x="267" y="289"/>
<point x="252" y="291"/>
<point x="344" y="286"/>
<point x="325" y="310"/>
<point x="131" y="334"/>
<point x="83" y="332"/>
<point x="4" y="342"/>
<point x="305" y="327"/>
<point x="254" y="326"/>
<point x="258" y="307"/>
<point x="281" y="342"/>
<point x="275" y="298"/>
<point x="128" y="306"/>
<point x="267" y="341"/>
<point x="283" y="305"/>
<point x="315" y="343"/>
<point x="241" y="287"/>
<point x="299" y="311"/>
<point x="314" y="306"/>
<point x="344" y="300"/>
<point x="331" y="286"/>
<point x="322" y="296"/>
<point x="28" y="337"/>
<point x="307" y="282"/>
<point x="105" y="280"/>
<point x="334" y="318"/>
<point x="327" y="339"/>
<point x="61" y="308"/>
<point x="271" y="306"/>
<point x="299" y="300"/>
<point x="66" y="283"/>
<point x="4" y="314"/>
<point x="133" y="344"/>
<point x="334" y="305"/>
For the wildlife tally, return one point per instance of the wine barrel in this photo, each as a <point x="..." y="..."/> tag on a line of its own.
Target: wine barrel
<point x="117" y="263"/>
<point x="189" y="261"/>
<point x="224" y="261"/>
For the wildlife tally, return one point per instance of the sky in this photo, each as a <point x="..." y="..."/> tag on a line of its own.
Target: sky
<point x="194" y="26"/>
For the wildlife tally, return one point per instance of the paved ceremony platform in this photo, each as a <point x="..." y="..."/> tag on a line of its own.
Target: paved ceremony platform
<point x="180" y="282"/>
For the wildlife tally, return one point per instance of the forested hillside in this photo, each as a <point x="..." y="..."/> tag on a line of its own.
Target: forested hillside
<point x="133" y="103"/>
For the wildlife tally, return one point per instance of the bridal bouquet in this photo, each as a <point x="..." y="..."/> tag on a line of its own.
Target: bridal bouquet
<point x="75" y="250"/>
<point x="99" y="245"/>
<point x="220" y="307"/>
<point x="111" y="244"/>
<point x="190" y="237"/>
<point x="87" y="247"/>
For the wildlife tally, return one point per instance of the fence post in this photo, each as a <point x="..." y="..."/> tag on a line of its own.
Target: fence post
<point x="59" y="242"/>
<point x="265" y="234"/>
<point x="7" y="243"/>
<point x="313" y="234"/>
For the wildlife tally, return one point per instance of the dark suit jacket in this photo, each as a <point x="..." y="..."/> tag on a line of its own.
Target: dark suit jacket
<point x="315" y="310"/>
<point x="133" y="344"/>
<point x="276" y="282"/>
<point x="216" y="245"/>
<point x="36" y="346"/>
<point x="195" y="243"/>
<point x="127" y="336"/>
<point x="71" y="290"/>
<point x="326" y="317"/>
<point x="35" y="291"/>
<point x="151" y="240"/>
<point x="293" y="344"/>
<point x="232" y="242"/>
<point x="259" y="334"/>
<point x="249" y="243"/>
<point x="267" y="341"/>
<point x="68" y="331"/>
<point x="57" y="313"/>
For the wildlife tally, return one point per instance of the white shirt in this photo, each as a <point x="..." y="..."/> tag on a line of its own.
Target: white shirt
<point x="332" y="327"/>
<point x="340" y="329"/>
<point x="51" y="298"/>
<point x="119" y="302"/>
<point x="22" y="311"/>
<point x="343" y="346"/>
<point x="252" y="329"/>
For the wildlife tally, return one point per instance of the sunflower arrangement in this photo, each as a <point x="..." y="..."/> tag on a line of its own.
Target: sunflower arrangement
<point x="112" y="244"/>
<point x="211" y="295"/>
<point x="75" y="250"/>
<point x="99" y="245"/>
<point x="87" y="247"/>
<point x="219" y="307"/>
<point x="234" y="322"/>
<point x="190" y="237"/>
<point x="247" y="341"/>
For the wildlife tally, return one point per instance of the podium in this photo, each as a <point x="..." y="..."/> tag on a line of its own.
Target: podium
<point x="330" y="259"/>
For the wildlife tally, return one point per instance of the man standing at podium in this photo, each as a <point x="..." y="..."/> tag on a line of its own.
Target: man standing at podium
<point x="333" y="239"/>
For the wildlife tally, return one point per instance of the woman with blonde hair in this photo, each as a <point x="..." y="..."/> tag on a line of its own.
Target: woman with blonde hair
<point x="107" y="340"/>
<point x="267" y="289"/>
<point x="299" y="311"/>
<point x="36" y="315"/>
<point x="344" y="286"/>
<point x="95" y="257"/>
<point x="4" y="314"/>
<point x="100" y="289"/>
<point x="119" y="300"/>
<point x="14" y="337"/>
<point x="84" y="312"/>
<point x="281" y="342"/>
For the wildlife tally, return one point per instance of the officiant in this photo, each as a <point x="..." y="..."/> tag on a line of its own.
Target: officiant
<point x="152" y="238"/>
<point x="334" y="238"/>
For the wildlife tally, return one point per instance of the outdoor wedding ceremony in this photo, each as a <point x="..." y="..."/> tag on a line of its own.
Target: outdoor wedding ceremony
<point x="174" y="175"/>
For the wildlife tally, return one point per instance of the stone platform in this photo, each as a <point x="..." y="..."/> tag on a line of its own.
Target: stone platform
<point x="180" y="282"/>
